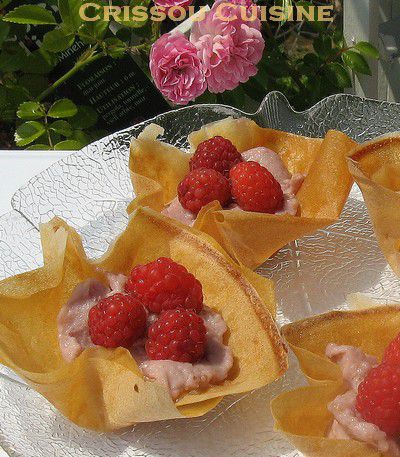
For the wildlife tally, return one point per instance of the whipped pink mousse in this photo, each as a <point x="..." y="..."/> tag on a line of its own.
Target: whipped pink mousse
<point x="178" y="377"/>
<point x="72" y="322"/>
<point x="181" y="377"/>
<point x="347" y="423"/>
<point x="267" y="158"/>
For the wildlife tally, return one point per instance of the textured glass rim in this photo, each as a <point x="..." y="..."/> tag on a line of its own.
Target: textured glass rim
<point x="268" y="114"/>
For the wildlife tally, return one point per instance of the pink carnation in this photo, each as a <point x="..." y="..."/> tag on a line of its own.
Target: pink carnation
<point x="167" y="4"/>
<point x="229" y="49"/>
<point x="176" y="68"/>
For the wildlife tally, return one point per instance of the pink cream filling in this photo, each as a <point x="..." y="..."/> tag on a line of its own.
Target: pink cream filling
<point x="269" y="159"/>
<point x="178" y="377"/>
<point x="347" y="423"/>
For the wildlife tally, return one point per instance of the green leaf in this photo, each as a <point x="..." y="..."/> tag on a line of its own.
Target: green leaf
<point x="68" y="145"/>
<point x="63" y="108"/>
<point x="338" y="37"/>
<point x="30" y="111"/>
<point x="323" y="45"/>
<point x="91" y="32"/>
<point x="58" y="40"/>
<point x="30" y="14"/>
<point x="138" y="19"/>
<point x="4" y="31"/>
<point x="356" y="62"/>
<point x="82" y="137"/>
<point x="34" y="84"/>
<point x="49" y="57"/>
<point x="69" y="11"/>
<point x="62" y="127"/>
<point x="367" y="50"/>
<point x="115" y="47"/>
<point x="39" y="147"/>
<point x="36" y="63"/>
<point x="28" y="132"/>
<point x="338" y="75"/>
<point x="85" y="117"/>
<point x="12" y="57"/>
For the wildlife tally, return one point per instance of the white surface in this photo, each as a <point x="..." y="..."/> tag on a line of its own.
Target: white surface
<point x="17" y="167"/>
<point x="361" y="23"/>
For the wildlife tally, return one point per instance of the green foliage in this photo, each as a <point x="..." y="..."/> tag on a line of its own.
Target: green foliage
<point x="28" y="97"/>
<point x="306" y="61"/>
<point x="29" y="111"/>
<point x="58" y="40"/>
<point x="28" y="132"/>
<point x="367" y="50"/>
<point x="69" y="11"/>
<point x="38" y="126"/>
<point x="62" y="108"/>
<point x="30" y="14"/>
<point x="356" y="62"/>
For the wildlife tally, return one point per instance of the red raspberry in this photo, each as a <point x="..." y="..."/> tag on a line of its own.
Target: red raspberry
<point x="164" y="284"/>
<point x="202" y="186"/>
<point x="392" y="353"/>
<point x="378" y="399"/>
<point x="255" y="189"/>
<point x="178" y="335"/>
<point x="118" y="320"/>
<point x="217" y="153"/>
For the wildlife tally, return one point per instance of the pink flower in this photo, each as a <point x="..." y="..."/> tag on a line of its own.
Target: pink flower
<point x="229" y="49"/>
<point x="167" y="4"/>
<point x="176" y="68"/>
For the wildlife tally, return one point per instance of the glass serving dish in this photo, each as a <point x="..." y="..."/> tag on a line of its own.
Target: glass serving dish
<point x="91" y="188"/>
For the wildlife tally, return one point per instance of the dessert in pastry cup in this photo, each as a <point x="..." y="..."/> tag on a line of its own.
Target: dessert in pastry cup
<point x="103" y="388"/>
<point x="375" y="166"/>
<point x="353" y="376"/>
<point x="312" y="174"/>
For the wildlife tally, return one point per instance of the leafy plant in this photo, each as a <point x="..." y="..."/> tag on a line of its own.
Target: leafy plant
<point x="307" y="61"/>
<point x="47" y="127"/>
<point x="28" y="96"/>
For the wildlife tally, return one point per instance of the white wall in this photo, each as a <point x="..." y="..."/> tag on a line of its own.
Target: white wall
<point x="361" y="23"/>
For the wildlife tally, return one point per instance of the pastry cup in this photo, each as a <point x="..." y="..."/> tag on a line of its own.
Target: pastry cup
<point x="375" y="167"/>
<point x="103" y="389"/>
<point x="302" y="414"/>
<point x="249" y="238"/>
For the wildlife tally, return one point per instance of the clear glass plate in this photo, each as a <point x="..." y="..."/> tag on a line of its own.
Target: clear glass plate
<point x="90" y="189"/>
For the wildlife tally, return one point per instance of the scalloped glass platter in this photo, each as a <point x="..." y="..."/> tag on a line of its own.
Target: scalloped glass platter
<point x="91" y="188"/>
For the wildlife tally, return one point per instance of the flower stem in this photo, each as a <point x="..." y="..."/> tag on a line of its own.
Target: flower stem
<point x="155" y="31"/>
<point x="78" y="66"/>
<point x="46" y="121"/>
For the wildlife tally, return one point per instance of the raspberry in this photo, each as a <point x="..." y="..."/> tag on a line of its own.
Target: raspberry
<point x="378" y="399"/>
<point x="255" y="189"/>
<point x="178" y="335"/>
<point x="217" y="153"/>
<point x="202" y="186"/>
<point x="118" y="320"/>
<point x="164" y="284"/>
<point x="392" y="353"/>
